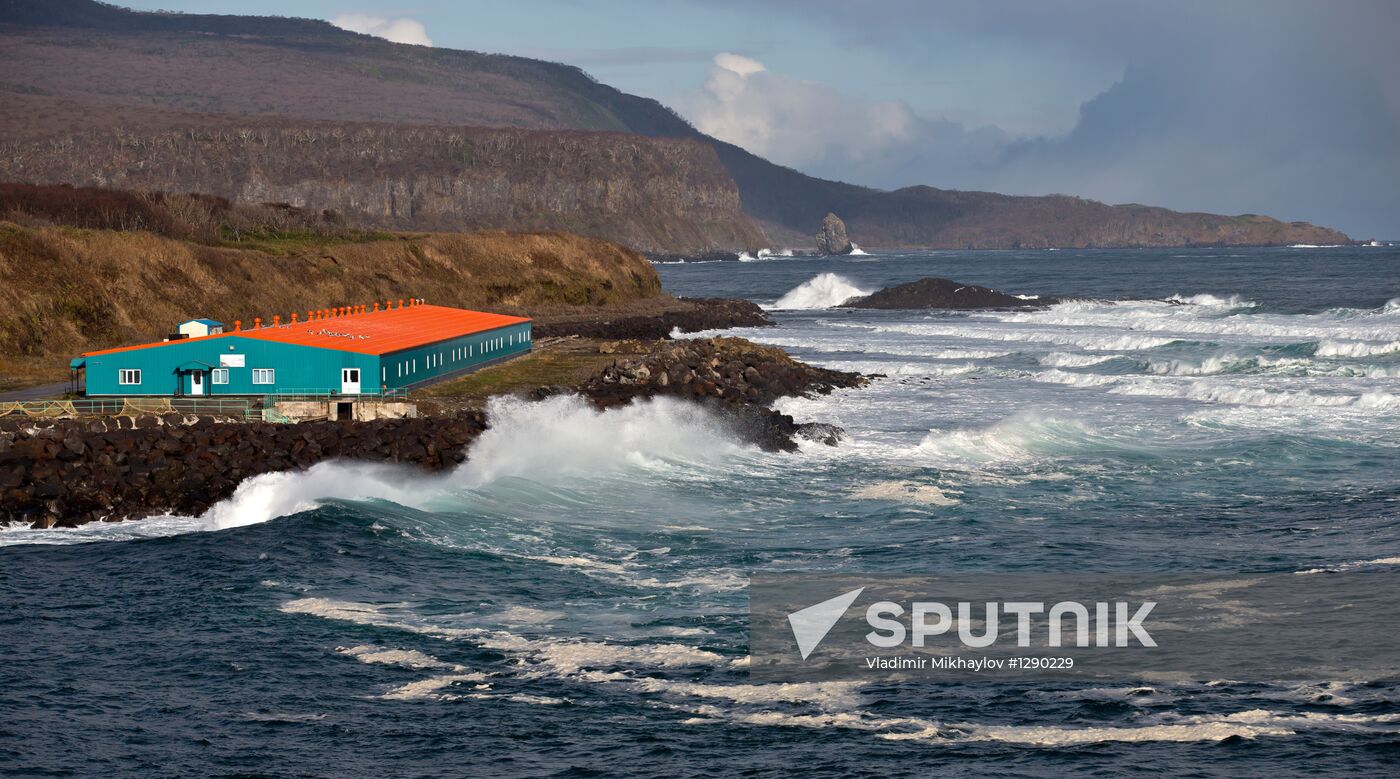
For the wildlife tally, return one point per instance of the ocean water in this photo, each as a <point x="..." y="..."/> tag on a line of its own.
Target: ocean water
<point x="571" y="602"/>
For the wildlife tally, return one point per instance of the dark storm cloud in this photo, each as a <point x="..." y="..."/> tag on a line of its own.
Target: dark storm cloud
<point x="1288" y="108"/>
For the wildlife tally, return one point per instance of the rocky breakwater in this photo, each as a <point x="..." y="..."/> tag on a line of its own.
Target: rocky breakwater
<point x="66" y="473"/>
<point x="69" y="472"/>
<point x="737" y="377"/>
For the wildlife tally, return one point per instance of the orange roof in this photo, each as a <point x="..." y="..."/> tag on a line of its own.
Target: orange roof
<point x="375" y="332"/>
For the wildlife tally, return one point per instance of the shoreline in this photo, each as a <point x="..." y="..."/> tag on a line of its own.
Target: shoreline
<point x="70" y="472"/>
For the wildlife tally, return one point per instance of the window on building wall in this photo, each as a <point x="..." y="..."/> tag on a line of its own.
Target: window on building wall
<point x="264" y="376"/>
<point x="219" y="376"/>
<point x="129" y="376"/>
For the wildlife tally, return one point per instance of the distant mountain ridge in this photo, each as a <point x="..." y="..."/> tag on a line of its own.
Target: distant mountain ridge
<point x="75" y="66"/>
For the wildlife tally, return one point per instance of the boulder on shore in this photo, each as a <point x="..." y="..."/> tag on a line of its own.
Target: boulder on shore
<point x="833" y="239"/>
<point x="934" y="292"/>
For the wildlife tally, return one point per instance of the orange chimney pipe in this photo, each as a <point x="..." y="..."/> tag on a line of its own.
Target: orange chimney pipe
<point x="276" y="320"/>
<point x="237" y="325"/>
<point x="400" y="302"/>
<point x="257" y="323"/>
<point x="294" y="317"/>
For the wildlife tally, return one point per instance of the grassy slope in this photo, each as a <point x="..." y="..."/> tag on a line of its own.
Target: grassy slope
<point x="67" y="290"/>
<point x="554" y="362"/>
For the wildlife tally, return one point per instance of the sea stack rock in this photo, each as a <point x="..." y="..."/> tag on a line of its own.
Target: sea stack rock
<point x="832" y="238"/>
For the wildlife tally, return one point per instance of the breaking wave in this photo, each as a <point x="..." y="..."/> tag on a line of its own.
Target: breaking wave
<point x="1017" y="438"/>
<point x="826" y="290"/>
<point x="1206" y="299"/>
<point x="1355" y="348"/>
<point x="554" y="440"/>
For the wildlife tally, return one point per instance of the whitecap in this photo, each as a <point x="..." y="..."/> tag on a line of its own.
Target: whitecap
<point x="825" y="290"/>
<point x="906" y="492"/>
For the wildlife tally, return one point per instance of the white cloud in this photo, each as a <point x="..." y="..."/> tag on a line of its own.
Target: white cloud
<point x="813" y="126"/>
<point x="738" y="64"/>
<point x="401" y="30"/>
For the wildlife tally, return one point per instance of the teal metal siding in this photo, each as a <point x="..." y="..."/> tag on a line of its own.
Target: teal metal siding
<point x="165" y="368"/>
<point x="412" y="367"/>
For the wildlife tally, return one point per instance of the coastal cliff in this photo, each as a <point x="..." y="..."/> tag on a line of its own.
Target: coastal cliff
<point x="651" y="194"/>
<point x="79" y="72"/>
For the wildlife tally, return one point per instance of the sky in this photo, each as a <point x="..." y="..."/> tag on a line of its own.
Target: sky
<point x="1289" y="108"/>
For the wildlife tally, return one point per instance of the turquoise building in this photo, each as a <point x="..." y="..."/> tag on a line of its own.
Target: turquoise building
<point x="350" y="351"/>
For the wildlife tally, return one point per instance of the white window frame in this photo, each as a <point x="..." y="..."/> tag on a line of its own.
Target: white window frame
<point x="264" y="376"/>
<point x="218" y="375"/>
<point x="129" y="377"/>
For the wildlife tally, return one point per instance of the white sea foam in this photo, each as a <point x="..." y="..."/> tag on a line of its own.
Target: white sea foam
<point x="1251" y="724"/>
<point x="832" y="704"/>
<point x="1206" y="299"/>
<point x="856" y="251"/>
<point x="405" y="658"/>
<point x="1353" y="565"/>
<point x="825" y="290"/>
<point x="431" y="687"/>
<point x="746" y="257"/>
<point x="906" y="492"/>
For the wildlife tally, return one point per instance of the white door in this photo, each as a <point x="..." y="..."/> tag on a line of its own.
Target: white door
<point x="197" y="383"/>
<point x="349" y="381"/>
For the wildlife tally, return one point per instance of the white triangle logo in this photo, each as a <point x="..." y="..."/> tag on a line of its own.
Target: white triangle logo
<point x="810" y="625"/>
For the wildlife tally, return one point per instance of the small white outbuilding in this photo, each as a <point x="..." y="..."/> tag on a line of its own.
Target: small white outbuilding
<point x="198" y="328"/>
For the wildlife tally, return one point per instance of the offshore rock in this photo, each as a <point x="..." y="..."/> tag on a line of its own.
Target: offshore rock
<point x="832" y="237"/>
<point x="934" y="292"/>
